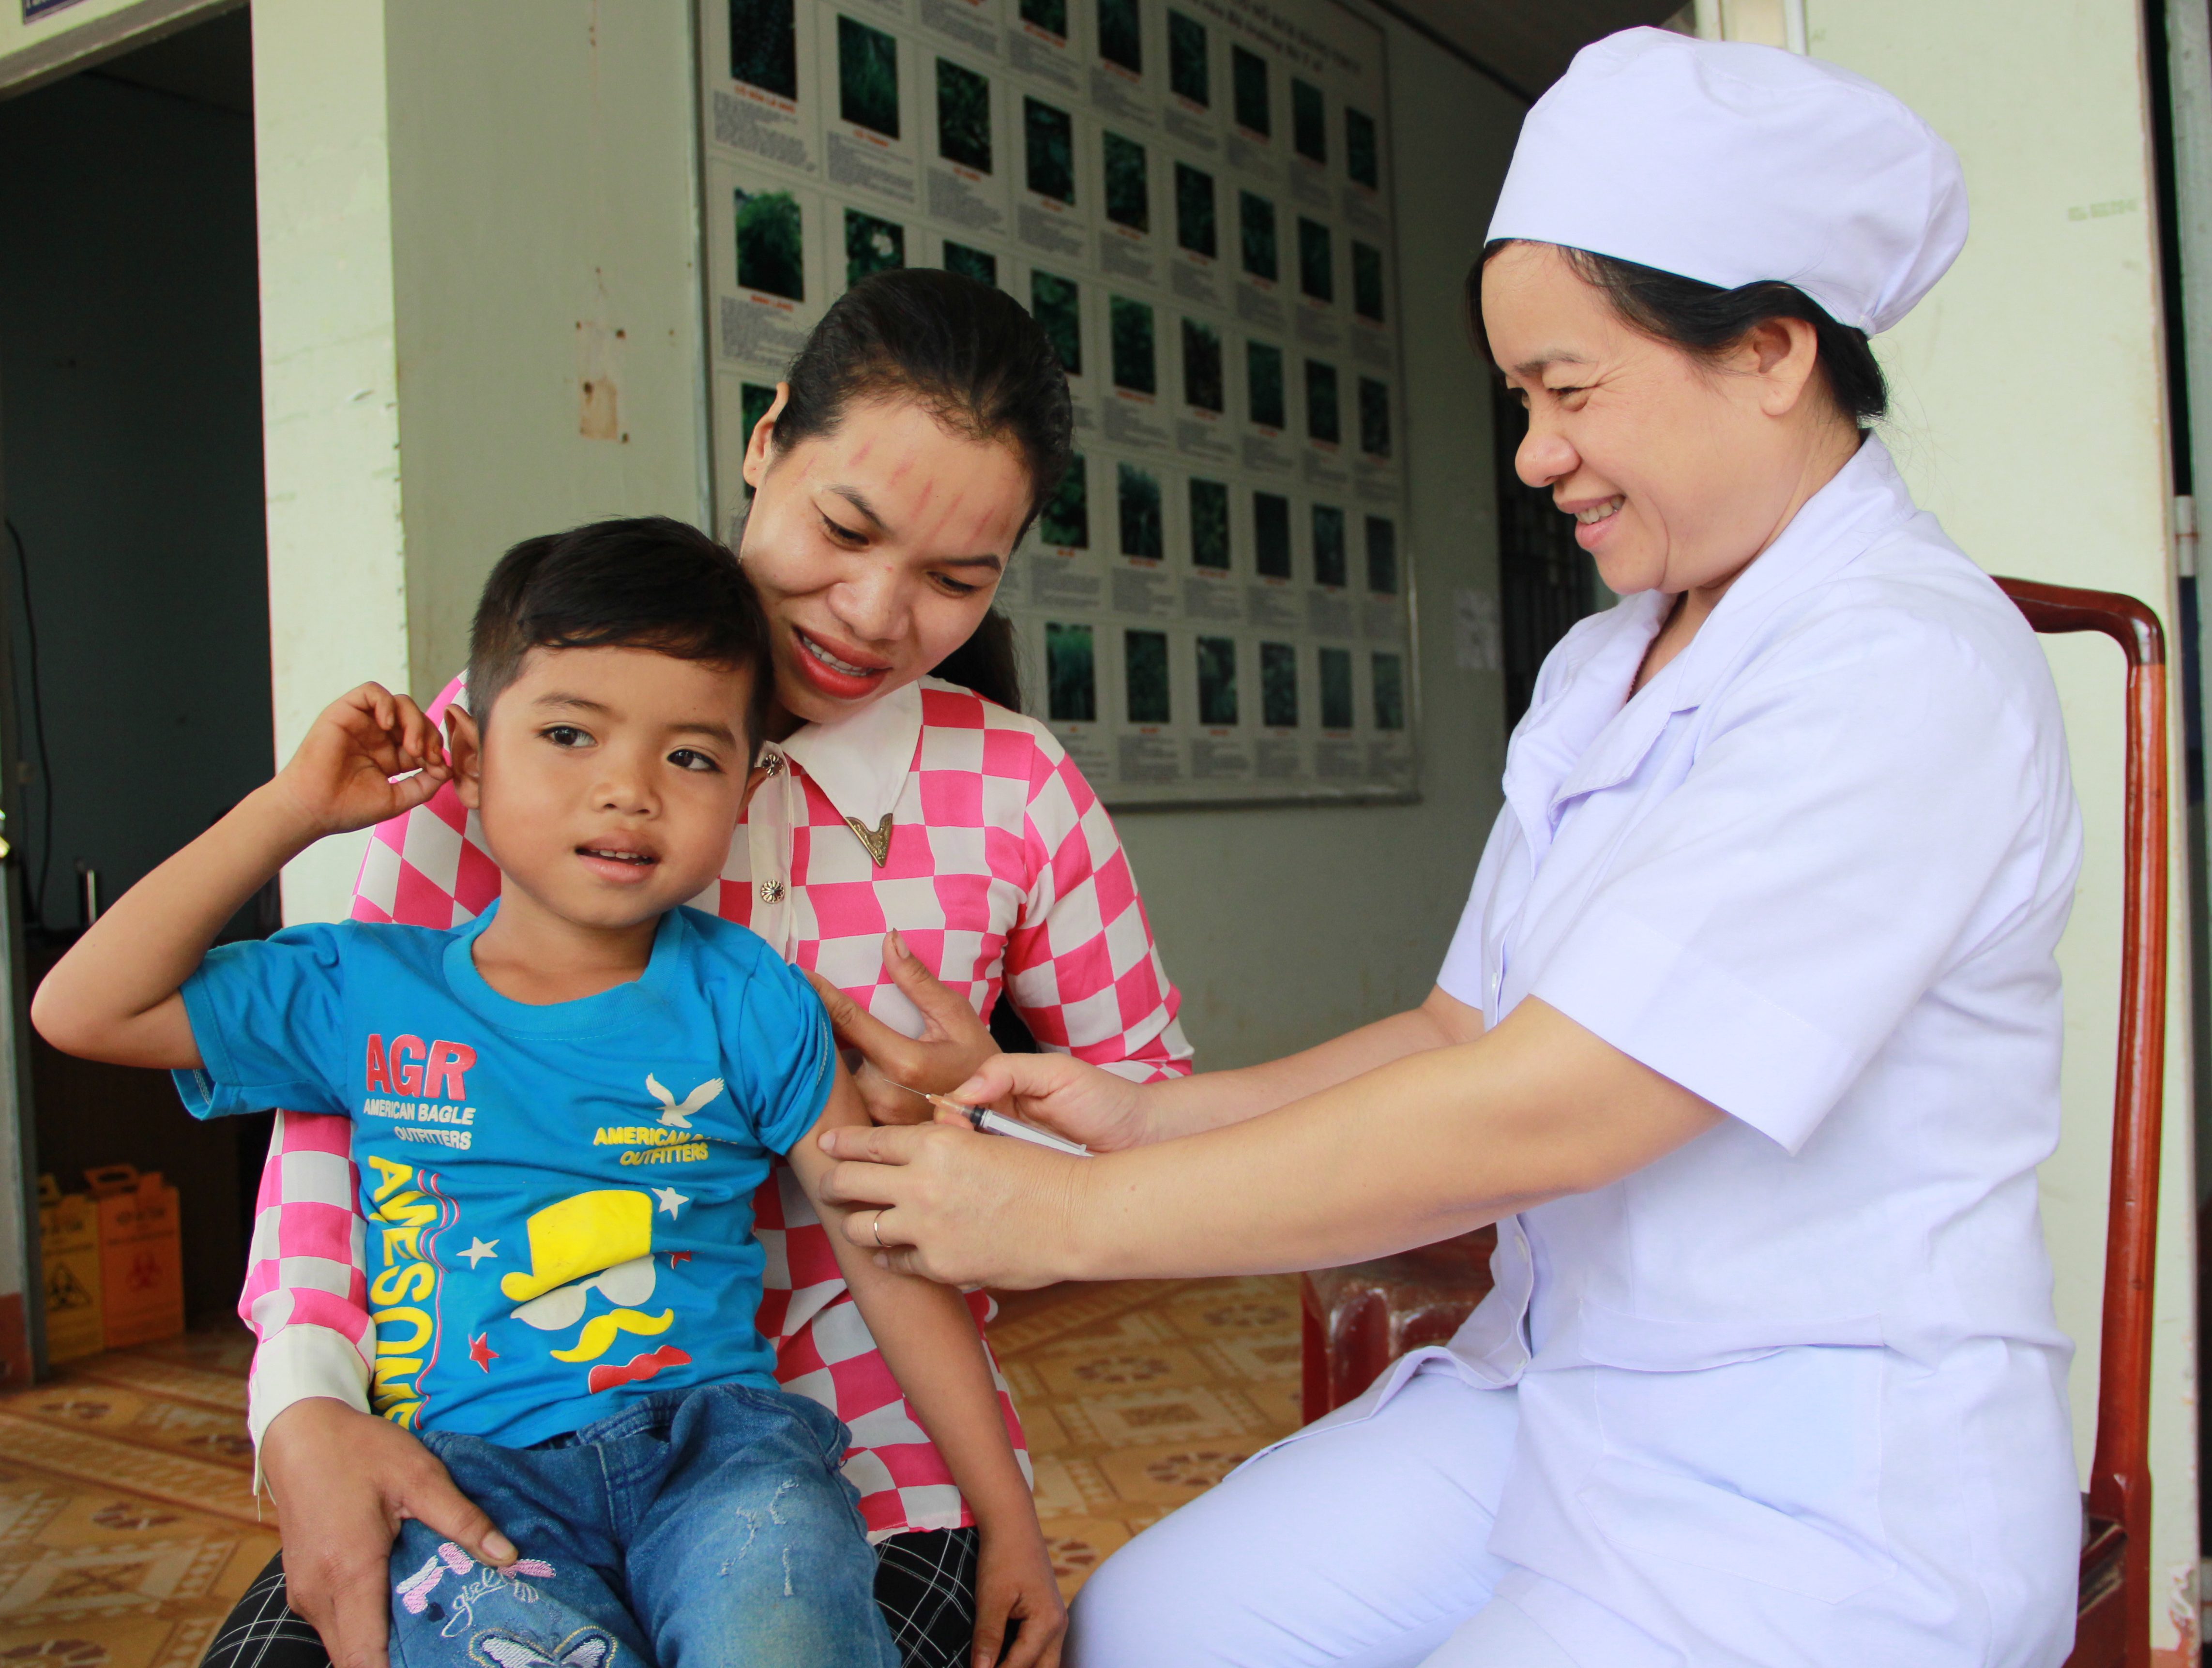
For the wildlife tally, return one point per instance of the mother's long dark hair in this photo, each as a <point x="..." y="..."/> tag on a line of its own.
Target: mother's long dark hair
<point x="980" y="365"/>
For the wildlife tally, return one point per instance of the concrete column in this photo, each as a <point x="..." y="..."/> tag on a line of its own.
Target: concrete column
<point x="480" y="319"/>
<point x="338" y="582"/>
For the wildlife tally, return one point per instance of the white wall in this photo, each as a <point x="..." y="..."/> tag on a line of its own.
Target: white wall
<point x="2031" y="418"/>
<point x="330" y="382"/>
<point x="545" y="209"/>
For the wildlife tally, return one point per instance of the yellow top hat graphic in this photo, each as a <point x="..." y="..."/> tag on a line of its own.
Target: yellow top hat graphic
<point x="581" y="1235"/>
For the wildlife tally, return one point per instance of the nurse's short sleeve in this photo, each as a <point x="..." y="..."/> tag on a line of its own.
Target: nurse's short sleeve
<point x="784" y="1055"/>
<point x="266" y="1017"/>
<point x="1461" y="975"/>
<point x="1873" y="798"/>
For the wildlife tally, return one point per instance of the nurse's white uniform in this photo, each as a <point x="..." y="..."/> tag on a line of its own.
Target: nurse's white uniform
<point x="1795" y="1393"/>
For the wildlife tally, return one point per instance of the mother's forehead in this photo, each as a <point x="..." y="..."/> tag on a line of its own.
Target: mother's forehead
<point x="893" y="479"/>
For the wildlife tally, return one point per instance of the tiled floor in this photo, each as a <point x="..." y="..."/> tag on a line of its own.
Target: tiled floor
<point x="1140" y="1395"/>
<point x="128" y="1527"/>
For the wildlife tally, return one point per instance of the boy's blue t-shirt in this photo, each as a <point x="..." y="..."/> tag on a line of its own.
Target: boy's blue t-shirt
<point x="559" y="1199"/>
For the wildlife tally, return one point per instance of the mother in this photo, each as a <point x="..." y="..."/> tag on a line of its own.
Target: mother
<point x="1748" y="1039"/>
<point x="906" y="825"/>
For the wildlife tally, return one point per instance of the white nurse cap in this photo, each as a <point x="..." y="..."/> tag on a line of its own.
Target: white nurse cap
<point x="1733" y="163"/>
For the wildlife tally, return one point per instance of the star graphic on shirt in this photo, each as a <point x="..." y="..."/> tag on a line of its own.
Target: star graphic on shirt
<point x="670" y="1200"/>
<point x="677" y="1259"/>
<point x="480" y="1249"/>
<point x="481" y="1352"/>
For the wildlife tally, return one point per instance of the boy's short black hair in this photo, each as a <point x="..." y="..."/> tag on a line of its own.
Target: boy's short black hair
<point x="644" y="581"/>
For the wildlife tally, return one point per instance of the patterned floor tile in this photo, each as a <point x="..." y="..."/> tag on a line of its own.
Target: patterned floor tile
<point x="1251" y="1307"/>
<point x="1079" y="1545"/>
<point x="1059" y="1489"/>
<point x="1066" y="1372"/>
<point x="1170" y="1473"/>
<point x="134" y="1642"/>
<point x="1178" y="1413"/>
<point x="221" y="1348"/>
<point x="127" y="1529"/>
<point x="175" y="1381"/>
<point x="140" y="1579"/>
<point x="1042" y="1425"/>
<point x="1140" y="1395"/>
<point x="1251" y="1358"/>
<point x="103" y="1460"/>
<point x="190" y="1428"/>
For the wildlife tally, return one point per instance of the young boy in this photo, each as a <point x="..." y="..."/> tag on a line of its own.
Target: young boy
<point x="561" y="1111"/>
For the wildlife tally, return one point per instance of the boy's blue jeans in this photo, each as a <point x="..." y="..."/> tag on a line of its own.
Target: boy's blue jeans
<point x="693" y="1529"/>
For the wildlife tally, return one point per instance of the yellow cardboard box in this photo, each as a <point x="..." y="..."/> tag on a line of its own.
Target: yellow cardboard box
<point x="141" y="1256"/>
<point x="68" y="1247"/>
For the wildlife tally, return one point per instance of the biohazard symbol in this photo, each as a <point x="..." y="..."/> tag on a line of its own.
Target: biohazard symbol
<point x="65" y="1290"/>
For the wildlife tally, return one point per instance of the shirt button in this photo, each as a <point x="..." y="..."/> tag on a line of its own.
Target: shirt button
<point x="773" y="764"/>
<point x="771" y="891"/>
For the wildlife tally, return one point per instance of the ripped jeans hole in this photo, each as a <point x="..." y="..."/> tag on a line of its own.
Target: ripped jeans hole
<point x="782" y="1489"/>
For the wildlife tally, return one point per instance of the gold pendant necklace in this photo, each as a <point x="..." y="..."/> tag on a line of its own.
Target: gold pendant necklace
<point x="876" y="845"/>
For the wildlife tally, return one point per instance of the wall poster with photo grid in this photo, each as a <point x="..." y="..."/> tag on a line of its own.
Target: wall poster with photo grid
<point x="1192" y="197"/>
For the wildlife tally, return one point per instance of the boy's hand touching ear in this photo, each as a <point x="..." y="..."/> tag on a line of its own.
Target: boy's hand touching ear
<point x="341" y="778"/>
<point x="115" y="996"/>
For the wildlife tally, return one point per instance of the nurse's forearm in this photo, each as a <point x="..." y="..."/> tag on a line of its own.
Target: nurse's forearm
<point x="1430" y="1145"/>
<point x="1215" y="1099"/>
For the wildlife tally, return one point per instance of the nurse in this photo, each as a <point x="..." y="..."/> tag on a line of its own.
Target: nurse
<point x="1748" y="1039"/>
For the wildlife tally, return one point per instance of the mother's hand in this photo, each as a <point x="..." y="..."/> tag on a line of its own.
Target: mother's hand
<point x="953" y="1042"/>
<point x="956" y="1207"/>
<point x="343" y="1482"/>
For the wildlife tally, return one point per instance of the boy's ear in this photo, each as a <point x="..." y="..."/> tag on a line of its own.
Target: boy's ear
<point x="762" y="441"/>
<point x="465" y="752"/>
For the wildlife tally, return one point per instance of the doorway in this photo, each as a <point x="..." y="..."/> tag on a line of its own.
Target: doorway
<point x="133" y="569"/>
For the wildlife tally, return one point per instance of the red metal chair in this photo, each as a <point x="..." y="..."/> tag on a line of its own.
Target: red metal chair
<point x="1359" y="1319"/>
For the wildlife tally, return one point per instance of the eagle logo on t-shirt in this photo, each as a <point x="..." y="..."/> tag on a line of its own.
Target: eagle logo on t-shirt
<point x="675" y="1116"/>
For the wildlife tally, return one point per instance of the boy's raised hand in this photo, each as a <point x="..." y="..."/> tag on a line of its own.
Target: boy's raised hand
<point x="341" y="777"/>
<point x="115" y="996"/>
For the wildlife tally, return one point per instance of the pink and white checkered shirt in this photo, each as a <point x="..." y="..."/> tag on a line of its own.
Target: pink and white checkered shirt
<point x="1001" y="867"/>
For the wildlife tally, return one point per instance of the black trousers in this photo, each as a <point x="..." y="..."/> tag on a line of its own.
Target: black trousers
<point x="925" y="1586"/>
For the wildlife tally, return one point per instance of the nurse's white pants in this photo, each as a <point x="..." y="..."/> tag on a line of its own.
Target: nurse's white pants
<point x="1361" y="1542"/>
<point x="1357" y="1546"/>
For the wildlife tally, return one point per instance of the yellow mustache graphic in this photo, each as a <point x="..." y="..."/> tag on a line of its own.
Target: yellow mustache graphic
<point x="600" y="1332"/>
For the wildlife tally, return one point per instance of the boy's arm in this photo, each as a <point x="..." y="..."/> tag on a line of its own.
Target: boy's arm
<point x="929" y="1339"/>
<point x="115" y="996"/>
